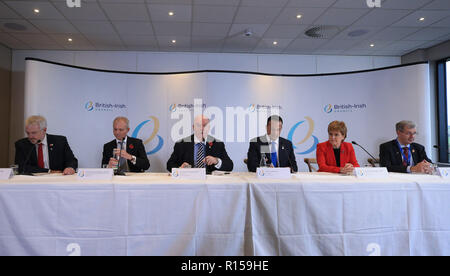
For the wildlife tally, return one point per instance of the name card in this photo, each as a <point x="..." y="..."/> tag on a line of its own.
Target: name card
<point x="95" y="174"/>
<point x="378" y="172"/>
<point x="197" y="173"/>
<point x="6" y="174"/>
<point x="443" y="172"/>
<point x="273" y="173"/>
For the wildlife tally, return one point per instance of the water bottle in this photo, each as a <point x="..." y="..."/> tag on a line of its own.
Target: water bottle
<point x="263" y="161"/>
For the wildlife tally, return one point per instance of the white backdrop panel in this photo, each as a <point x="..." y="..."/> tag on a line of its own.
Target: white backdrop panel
<point x="81" y="105"/>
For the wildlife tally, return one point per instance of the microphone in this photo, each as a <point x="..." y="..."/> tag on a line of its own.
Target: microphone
<point x="289" y="159"/>
<point x="354" y="143"/>
<point x="24" y="171"/>
<point x="439" y="148"/>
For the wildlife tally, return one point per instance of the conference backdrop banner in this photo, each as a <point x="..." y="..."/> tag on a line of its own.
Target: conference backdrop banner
<point x="81" y="103"/>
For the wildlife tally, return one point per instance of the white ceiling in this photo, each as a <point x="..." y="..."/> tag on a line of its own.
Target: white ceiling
<point x="218" y="25"/>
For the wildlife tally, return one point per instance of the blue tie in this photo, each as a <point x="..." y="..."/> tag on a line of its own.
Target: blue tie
<point x="273" y="155"/>
<point x="199" y="163"/>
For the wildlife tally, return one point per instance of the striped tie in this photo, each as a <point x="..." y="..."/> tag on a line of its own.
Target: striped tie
<point x="199" y="163"/>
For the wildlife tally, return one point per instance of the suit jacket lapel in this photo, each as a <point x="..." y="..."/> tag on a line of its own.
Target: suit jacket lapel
<point x="190" y="151"/>
<point x="33" y="157"/>
<point x="331" y="150"/>
<point x="264" y="145"/>
<point x="50" y="145"/>
<point x="398" y="154"/>
<point x="281" y="151"/>
<point x="414" y="154"/>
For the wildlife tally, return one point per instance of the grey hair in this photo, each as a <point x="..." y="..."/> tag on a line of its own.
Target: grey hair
<point x="38" y="120"/>
<point x="125" y="119"/>
<point x="400" y="126"/>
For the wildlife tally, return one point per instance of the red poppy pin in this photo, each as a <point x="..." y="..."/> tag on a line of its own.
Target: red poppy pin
<point x="210" y="144"/>
<point x="51" y="146"/>
<point x="131" y="146"/>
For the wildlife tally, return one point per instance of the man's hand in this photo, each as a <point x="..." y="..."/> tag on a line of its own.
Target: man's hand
<point x="422" y="167"/>
<point x="112" y="163"/>
<point x="185" y="165"/>
<point x="123" y="153"/>
<point x="68" y="171"/>
<point x="209" y="160"/>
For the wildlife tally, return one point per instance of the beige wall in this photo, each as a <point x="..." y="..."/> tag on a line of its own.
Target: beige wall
<point x="5" y="103"/>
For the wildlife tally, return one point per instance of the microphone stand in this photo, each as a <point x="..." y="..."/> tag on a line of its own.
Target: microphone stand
<point x="354" y="143"/>
<point x="24" y="171"/>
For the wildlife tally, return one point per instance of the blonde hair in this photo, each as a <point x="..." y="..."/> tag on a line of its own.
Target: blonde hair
<point x="338" y="126"/>
<point x="38" y="120"/>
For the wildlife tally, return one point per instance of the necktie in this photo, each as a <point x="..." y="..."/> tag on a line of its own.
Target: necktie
<point x="40" y="157"/>
<point x="273" y="155"/>
<point x="406" y="154"/>
<point x="199" y="163"/>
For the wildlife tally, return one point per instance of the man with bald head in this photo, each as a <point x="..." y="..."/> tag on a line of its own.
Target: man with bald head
<point x="200" y="150"/>
<point x="130" y="151"/>
<point x="43" y="153"/>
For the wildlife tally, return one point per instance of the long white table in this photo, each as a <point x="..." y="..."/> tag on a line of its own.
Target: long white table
<point x="237" y="214"/>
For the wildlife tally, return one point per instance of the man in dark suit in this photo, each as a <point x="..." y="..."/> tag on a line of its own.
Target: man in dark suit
<point x="277" y="151"/>
<point x="402" y="154"/>
<point x="43" y="153"/>
<point x="132" y="157"/>
<point x="200" y="150"/>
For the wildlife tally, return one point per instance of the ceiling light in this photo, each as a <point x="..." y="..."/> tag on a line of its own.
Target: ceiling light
<point x="174" y="41"/>
<point x="69" y="39"/>
<point x="372" y="45"/>
<point x="422" y="19"/>
<point x="299" y="16"/>
<point x="171" y="13"/>
<point x="275" y="43"/>
<point x="36" y="11"/>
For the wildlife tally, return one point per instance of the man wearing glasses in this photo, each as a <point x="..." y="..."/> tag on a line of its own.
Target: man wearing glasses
<point x="402" y="154"/>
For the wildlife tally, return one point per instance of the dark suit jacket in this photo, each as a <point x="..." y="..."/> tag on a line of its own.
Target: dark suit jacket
<point x="183" y="151"/>
<point x="134" y="147"/>
<point x="391" y="157"/>
<point x="327" y="161"/>
<point x="286" y="154"/>
<point x="59" y="154"/>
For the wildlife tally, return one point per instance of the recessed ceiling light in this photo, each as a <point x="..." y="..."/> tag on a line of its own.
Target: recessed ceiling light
<point x="36" y="10"/>
<point x="299" y="16"/>
<point x="372" y="45"/>
<point x="70" y="39"/>
<point x="422" y="19"/>
<point x="275" y="43"/>
<point x="171" y="13"/>
<point x="174" y="41"/>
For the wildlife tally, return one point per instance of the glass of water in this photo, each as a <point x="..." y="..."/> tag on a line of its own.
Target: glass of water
<point x="15" y="169"/>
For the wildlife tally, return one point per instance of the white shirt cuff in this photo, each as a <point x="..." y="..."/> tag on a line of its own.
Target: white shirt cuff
<point x="219" y="163"/>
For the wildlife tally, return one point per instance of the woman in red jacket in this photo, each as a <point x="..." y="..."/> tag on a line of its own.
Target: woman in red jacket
<point x="335" y="155"/>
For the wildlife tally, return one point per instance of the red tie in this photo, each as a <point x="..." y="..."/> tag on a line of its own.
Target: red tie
<point x="40" y="157"/>
<point x="406" y="154"/>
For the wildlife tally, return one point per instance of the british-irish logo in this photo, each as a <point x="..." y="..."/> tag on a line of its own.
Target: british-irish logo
<point x="160" y="142"/>
<point x="309" y="134"/>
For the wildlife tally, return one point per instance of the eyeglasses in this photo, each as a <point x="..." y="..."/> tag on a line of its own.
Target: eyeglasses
<point x="410" y="133"/>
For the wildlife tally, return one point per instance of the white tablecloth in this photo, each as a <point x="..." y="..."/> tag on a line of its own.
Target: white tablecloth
<point x="237" y="214"/>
